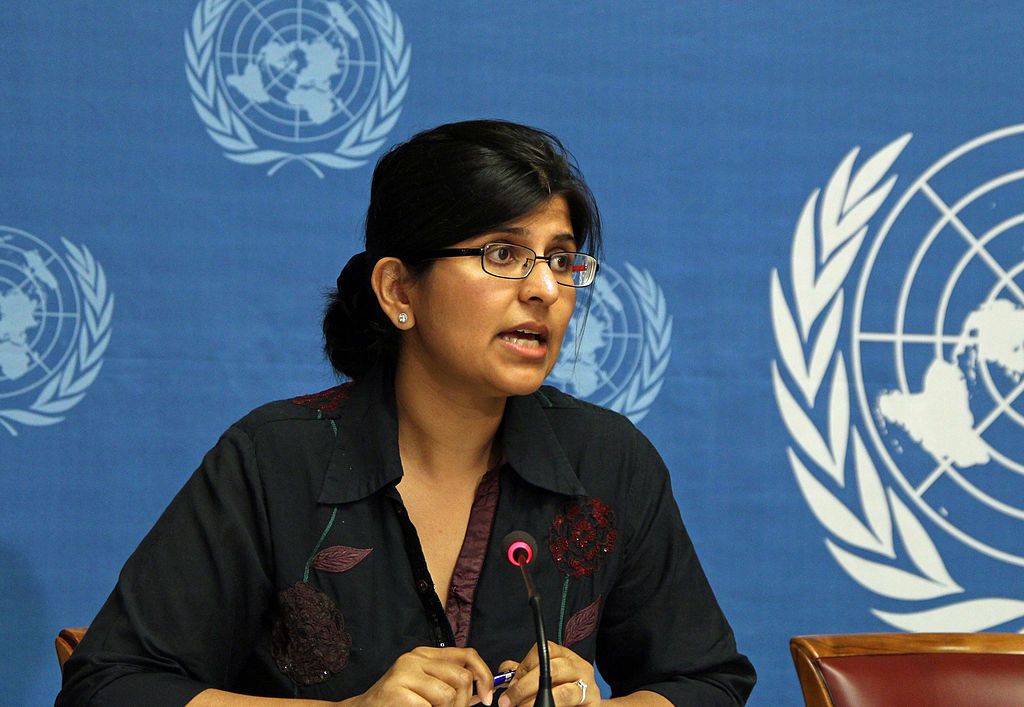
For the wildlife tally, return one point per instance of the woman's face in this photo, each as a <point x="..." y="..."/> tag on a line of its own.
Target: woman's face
<point x="486" y="336"/>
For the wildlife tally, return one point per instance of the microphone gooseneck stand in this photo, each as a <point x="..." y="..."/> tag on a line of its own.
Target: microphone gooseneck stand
<point x="520" y="550"/>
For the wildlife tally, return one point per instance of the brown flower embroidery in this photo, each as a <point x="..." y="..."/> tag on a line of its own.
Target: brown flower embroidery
<point x="309" y="642"/>
<point x="582" y="536"/>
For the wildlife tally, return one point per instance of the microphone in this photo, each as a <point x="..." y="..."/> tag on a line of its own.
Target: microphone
<point x="520" y="548"/>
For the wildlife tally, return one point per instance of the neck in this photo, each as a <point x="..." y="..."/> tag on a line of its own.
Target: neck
<point x="444" y="434"/>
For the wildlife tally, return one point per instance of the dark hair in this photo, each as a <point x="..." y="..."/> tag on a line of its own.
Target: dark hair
<point x="443" y="186"/>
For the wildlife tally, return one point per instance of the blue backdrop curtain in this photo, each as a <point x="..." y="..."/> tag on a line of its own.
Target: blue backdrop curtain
<point x="811" y="301"/>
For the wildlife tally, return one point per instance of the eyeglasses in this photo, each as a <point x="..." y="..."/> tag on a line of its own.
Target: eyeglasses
<point x="515" y="262"/>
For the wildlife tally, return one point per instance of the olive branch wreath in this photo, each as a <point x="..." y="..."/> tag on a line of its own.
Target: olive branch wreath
<point x="67" y="387"/>
<point x="228" y="130"/>
<point x="828" y="237"/>
<point x="636" y="399"/>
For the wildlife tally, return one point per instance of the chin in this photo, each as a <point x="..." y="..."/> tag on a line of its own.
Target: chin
<point x="521" y="384"/>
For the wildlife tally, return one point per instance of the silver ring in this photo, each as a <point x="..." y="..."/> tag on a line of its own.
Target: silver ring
<point x="583" y="689"/>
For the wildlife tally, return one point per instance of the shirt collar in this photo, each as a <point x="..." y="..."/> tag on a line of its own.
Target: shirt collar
<point x="366" y="459"/>
<point x="533" y="450"/>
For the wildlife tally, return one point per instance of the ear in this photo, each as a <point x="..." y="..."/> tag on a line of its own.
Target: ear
<point x="391" y="282"/>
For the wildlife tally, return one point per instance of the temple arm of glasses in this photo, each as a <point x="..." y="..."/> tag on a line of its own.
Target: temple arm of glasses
<point x="449" y="253"/>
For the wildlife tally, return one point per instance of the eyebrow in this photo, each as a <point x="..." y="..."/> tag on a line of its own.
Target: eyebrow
<point x="523" y="232"/>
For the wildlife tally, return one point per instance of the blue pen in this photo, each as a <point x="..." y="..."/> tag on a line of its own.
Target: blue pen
<point x="502" y="678"/>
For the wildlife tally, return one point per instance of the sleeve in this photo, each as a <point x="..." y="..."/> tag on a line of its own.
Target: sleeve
<point x="662" y="629"/>
<point x="189" y="601"/>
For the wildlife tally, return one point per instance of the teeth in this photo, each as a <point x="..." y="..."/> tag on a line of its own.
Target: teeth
<point x="521" y="341"/>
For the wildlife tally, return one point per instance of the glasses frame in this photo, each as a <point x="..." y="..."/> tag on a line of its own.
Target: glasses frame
<point x="462" y="252"/>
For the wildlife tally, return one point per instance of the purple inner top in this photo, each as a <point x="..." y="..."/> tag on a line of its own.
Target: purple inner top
<point x="459" y="608"/>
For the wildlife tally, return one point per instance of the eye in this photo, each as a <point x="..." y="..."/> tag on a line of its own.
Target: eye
<point x="500" y="254"/>
<point x="561" y="262"/>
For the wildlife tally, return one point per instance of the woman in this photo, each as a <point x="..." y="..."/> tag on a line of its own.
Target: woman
<point x="346" y="546"/>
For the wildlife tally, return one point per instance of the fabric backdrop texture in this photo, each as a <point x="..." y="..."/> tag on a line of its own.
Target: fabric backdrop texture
<point x="812" y="296"/>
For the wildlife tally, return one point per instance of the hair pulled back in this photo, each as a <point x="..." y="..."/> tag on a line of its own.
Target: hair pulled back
<point x="443" y="186"/>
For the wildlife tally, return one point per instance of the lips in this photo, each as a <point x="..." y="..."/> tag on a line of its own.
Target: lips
<point x="521" y="338"/>
<point x="526" y="336"/>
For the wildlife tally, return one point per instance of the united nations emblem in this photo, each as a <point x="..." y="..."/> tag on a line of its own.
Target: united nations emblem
<point x="55" y="315"/>
<point x="616" y="350"/>
<point x="319" y="82"/>
<point x="936" y="341"/>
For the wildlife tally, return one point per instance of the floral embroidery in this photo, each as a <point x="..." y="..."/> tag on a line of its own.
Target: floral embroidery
<point x="581" y="624"/>
<point x="580" y="539"/>
<point x="309" y="642"/>
<point x="582" y="536"/>
<point x="340" y="558"/>
<point x="326" y="400"/>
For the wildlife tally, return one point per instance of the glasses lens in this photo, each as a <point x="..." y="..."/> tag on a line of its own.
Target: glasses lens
<point x="507" y="260"/>
<point x="581" y="269"/>
<point x="515" y="262"/>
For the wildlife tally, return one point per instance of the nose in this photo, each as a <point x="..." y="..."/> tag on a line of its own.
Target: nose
<point x="540" y="285"/>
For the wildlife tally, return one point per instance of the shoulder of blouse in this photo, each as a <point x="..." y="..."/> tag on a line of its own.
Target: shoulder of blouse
<point x="609" y="454"/>
<point x="324" y="405"/>
<point x="563" y="409"/>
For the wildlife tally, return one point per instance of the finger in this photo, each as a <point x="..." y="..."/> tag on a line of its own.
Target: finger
<point x="568" y="693"/>
<point x="508" y="665"/>
<point x="456" y="677"/>
<point x="434" y="690"/>
<point x="467" y="658"/>
<point x="529" y="660"/>
<point x="532" y="659"/>
<point x="482" y="675"/>
<point x="406" y="697"/>
<point x="571" y="693"/>
<point x="564" y="670"/>
<point x="523" y="686"/>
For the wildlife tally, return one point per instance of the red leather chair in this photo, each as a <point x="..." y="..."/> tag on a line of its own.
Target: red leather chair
<point x="66" y="642"/>
<point x="911" y="669"/>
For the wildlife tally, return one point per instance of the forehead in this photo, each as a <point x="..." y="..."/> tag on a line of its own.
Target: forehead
<point x="548" y="223"/>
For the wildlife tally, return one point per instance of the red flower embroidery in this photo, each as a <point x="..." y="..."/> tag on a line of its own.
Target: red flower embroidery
<point x="326" y="400"/>
<point x="582" y="536"/>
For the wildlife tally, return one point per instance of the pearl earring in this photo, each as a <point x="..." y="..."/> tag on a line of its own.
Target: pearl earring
<point x="403" y="317"/>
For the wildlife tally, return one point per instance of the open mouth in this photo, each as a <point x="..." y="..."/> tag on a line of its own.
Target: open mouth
<point x="524" y="337"/>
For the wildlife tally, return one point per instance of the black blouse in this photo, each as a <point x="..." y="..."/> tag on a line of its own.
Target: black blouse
<point x="287" y="565"/>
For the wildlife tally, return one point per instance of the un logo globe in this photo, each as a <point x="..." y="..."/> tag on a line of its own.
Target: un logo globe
<point x="298" y="71"/>
<point x="939" y="320"/>
<point x="313" y="82"/>
<point x="616" y="349"/>
<point x="39" y="312"/>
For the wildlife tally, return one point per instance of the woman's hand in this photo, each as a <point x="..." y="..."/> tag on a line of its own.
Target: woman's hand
<point x="567" y="669"/>
<point x="431" y="677"/>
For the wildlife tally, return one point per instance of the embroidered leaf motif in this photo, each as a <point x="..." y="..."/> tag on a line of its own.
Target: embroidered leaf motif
<point x="340" y="558"/>
<point x="581" y="624"/>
